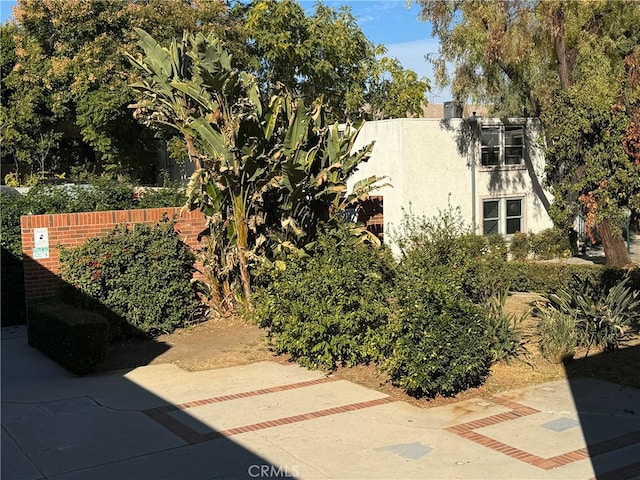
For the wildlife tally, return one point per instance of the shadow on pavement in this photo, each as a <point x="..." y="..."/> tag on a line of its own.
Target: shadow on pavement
<point x="609" y="413"/>
<point x="12" y="304"/>
<point x="113" y="425"/>
<point x="56" y="425"/>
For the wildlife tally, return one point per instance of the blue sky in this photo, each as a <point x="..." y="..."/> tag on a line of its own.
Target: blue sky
<point x="389" y="22"/>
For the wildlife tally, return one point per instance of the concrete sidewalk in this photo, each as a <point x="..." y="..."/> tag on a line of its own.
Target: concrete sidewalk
<point x="268" y="420"/>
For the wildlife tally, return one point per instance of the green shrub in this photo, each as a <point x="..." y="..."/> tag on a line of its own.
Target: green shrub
<point x="550" y="243"/>
<point x="12" y="304"/>
<point x="77" y="339"/>
<point x="437" y="341"/>
<point x="102" y="193"/>
<point x="12" y="281"/>
<point x="545" y="277"/>
<point x="12" y="206"/>
<point x="558" y="335"/>
<point x="46" y="199"/>
<point x="327" y="309"/>
<point x="520" y="246"/>
<point x="444" y="246"/>
<point x="169" y="195"/>
<point x="496" y="246"/>
<point x="141" y="274"/>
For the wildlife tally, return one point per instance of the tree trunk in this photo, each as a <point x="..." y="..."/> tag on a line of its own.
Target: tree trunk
<point x="242" y="244"/>
<point x="615" y="248"/>
<point x="565" y="66"/>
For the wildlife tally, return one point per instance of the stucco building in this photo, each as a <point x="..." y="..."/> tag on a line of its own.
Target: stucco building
<point x="492" y="169"/>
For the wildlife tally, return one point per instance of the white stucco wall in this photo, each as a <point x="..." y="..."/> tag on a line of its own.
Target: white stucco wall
<point x="430" y="164"/>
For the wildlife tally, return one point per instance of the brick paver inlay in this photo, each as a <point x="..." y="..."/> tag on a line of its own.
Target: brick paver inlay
<point x="467" y="431"/>
<point x="191" y="436"/>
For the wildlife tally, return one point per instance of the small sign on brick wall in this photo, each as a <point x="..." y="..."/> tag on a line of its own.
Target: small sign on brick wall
<point x="40" y="243"/>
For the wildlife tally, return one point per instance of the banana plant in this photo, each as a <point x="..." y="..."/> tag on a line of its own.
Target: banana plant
<point x="268" y="175"/>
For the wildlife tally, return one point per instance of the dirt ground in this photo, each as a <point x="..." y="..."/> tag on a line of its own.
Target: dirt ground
<point x="231" y="341"/>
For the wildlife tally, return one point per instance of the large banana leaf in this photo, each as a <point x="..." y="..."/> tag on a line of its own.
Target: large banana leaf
<point x="272" y="175"/>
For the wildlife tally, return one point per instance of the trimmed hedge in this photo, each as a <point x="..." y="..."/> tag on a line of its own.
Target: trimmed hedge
<point x="77" y="339"/>
<point x="548" y="277"/>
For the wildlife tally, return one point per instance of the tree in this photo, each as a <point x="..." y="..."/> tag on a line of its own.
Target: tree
<point x="562" y="61"/>
<point x="271" y="174"/>
<point x="326" y="54"/>
<point x="26" y="124"/>
<point x="394" y="92"/>
<point x="70" y="77"/>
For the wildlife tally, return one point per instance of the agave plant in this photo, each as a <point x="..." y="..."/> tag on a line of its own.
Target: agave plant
<point x="603" y="318"/>
<point x="505" y="330"/>
<point x="267" y="177"/>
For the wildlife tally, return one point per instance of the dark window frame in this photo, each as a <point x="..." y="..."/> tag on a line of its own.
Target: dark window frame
<point x="508" y="150"/>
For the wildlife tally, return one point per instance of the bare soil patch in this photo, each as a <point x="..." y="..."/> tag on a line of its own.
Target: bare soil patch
<point x="231" y="341"/>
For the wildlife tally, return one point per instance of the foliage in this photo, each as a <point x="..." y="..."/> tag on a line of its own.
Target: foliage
<point x="504" y="330"/>
<point x="603" y="317"/>
<point x="328" y="308"/>
<point x="12" y="301"/>
<point x="26" y="124"/>
<point x="326" y="54"/>
<point x="574" y="64"/>
<point x="394" y="92"/>
<point x="169" y="195"/>
<point x="558" y="334"/>
<point x="520" y="246"/>
<point x="438" y="342"/>
<point x="101" y="193"/>
<point x="142" y="274"/>
<point x="544" y="245"/>
<point x="77" y="339"/>
<point x="70" y="75"/>
<point x="268" y="176"/>
<point x="444" y="246"/>
<point x="13" y="205"/>
<point x="65" y="78"/>
<point x="546" y="277"/>
<point x="549" y="243"/>
<point x="607" y="178"/>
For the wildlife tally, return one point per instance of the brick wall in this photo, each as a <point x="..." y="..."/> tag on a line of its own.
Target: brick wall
<point x="73" y="229"/>
<point x="371" y="213"/>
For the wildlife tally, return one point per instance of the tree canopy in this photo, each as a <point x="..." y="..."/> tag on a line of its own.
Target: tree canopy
<point x="573" y="64"/>
<point x="65" y="82"/>
<point x="70" y="78"/>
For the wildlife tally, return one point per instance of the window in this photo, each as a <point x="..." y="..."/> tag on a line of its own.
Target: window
<point x="514" y="216"/>
<point x="502" y="145"/>
<point x="502" y="215"/>
<point x="490" y="217"/>
<point x="490" y="137"/>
